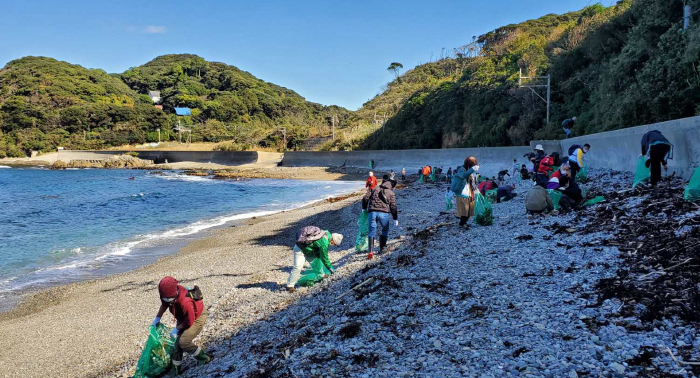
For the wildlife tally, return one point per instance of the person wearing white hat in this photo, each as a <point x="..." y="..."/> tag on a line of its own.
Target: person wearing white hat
<point x="536" y="158"/>
<point x="312" y="243"/>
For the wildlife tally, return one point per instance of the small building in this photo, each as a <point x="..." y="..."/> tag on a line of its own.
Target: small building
<point x="183" y="111"/>
<point x="159" y="107"/>
<point x="155" y="96"/>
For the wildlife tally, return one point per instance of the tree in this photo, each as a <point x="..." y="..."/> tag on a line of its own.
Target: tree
<point x="394" y="68"/>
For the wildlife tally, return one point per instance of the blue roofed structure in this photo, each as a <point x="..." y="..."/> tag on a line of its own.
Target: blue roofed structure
<point x="183" y="111"/>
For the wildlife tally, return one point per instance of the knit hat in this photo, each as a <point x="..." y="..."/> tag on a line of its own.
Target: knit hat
<point x="337" y="238"/>
<point x="167" y="287"/>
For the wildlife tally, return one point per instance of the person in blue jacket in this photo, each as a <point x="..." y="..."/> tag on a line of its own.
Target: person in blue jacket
<point x="464" y="187"/>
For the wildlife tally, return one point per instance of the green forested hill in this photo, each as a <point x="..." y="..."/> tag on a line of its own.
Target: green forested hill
<point x="611" y="67"/>
<point x="224" y="96"/>
<point x="45" y="103"/>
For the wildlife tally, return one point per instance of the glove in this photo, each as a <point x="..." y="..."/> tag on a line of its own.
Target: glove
<point x="174" y="333"/>
<point x="156" y="321"/>
<point x="396" y="223"/>
<point x="475" y="168"/>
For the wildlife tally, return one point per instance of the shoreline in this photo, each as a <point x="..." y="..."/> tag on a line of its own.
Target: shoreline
<point x="144" y="255"/>
<point x="219" y="171"/>
<point x="95" y="308"/>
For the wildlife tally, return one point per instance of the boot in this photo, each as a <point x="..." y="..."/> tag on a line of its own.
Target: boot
<point x="370" y="255"/>
<point x="201" y="357"/>
<point x="382" y="244"/>
<point x="176" y="369"/>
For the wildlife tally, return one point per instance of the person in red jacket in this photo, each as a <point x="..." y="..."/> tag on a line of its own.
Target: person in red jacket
<point x="371" y="181"/>
<point x="487" y="185"/>
<point x="190" y="316"/>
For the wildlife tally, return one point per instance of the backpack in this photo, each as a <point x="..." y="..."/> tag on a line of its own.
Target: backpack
<point x="548" y="161"/>
<point x="573" y="149"/>
<point x="307" y="235"/>
<point x="195" y="293"/>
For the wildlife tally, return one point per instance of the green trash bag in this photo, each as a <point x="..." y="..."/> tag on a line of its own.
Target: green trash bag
<point x="421" y="178"/>
<point x="155" y="358"/>
<point x="582" y="175"/>
<point x="555" y="195"/>
<point x="449" y="196"/>
<point x="642" y="173"/>
<point x="432" y="176"/>
<point x="362" y="243"/>
<point x="692" y="191"/>
<point x="313" y="275"/>
<point x="483" y="213"/>
<point x="594" y="200"/>
<point x="492" y="195"/>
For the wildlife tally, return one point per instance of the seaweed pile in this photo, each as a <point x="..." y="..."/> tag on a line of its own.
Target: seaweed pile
<point x="658" y="235"/>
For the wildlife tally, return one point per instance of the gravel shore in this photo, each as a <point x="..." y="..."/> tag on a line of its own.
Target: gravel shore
<point x="517" y="298"/>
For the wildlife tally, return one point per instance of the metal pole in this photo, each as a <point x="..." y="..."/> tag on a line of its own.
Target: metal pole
<point x="549" y="81"/>
<point x="284" y="133"/>
<point x="686" y="16"/>
<point x="158" y="136"/>
<point x="520" y="78"/>
<point x="333" y="137"/>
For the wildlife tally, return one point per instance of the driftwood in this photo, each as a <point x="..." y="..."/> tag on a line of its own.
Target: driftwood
<point x="363" y="283"/>
<point x="681" y="362"/>
<point x="663" y="271"/>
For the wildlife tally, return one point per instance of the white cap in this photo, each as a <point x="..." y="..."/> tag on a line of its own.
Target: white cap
<point x="337" y="238"/>
<point x="573" y="118"/>
<point x="539" y="147"/>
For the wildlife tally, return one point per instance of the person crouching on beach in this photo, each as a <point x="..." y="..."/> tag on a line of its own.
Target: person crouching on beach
<point x="380" y="203"/>
<point x="312" y="243"/>
<point x="190" y="315"/>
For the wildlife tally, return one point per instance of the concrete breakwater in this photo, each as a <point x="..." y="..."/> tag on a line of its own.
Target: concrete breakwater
<point x="617" y="150"/>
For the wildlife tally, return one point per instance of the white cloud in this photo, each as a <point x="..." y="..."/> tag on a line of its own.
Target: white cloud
<point x="155" y="29"/>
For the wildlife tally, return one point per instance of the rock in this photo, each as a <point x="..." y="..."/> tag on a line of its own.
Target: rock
<point x="619" y="368"/>
<point x="126" y="162"/>
<point x="573" y="374"/>
<point x="58" y="164"/>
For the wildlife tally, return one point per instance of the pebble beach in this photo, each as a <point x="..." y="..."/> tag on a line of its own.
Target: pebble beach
<point x="517" y="298"/>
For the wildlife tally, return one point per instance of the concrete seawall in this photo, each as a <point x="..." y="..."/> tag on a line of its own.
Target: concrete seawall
<point x="616" y="150"/>
<point x="619" y="149"/>
<point x="491" y="159"/>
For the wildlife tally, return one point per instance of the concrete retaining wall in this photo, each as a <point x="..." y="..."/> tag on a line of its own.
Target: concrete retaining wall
<point x="159" y="157"/>
<point x="491" y="159"/>
<point x="620" y="149"/>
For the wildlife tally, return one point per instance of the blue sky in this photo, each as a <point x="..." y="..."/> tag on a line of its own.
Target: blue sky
<point x="331" y="52"/>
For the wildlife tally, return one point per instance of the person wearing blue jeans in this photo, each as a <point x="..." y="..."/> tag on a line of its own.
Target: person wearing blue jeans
<point x="380" y="202"/>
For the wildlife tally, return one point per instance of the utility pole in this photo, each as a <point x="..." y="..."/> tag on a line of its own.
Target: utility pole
<point x="158" y="130"/>
<point x="333" y="130"/>
<point x="535" y="85"/>
<point x="549" y="91"/>
<point x="284" y="134"/>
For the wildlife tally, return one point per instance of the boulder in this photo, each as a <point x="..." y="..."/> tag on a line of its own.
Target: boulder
<point x="58" y="164"/>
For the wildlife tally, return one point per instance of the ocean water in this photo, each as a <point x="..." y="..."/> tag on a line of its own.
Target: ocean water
<point x="64" y="226"/>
